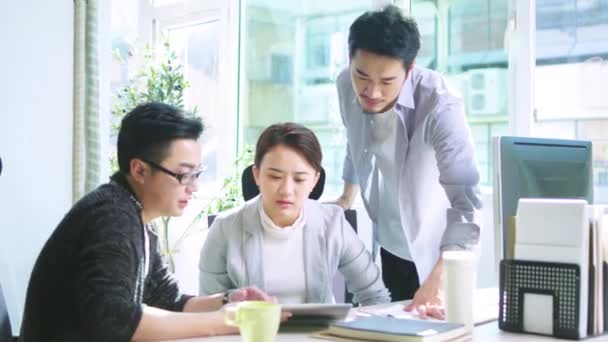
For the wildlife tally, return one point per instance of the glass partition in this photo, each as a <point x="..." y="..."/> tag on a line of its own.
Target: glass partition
<point x="291" y="54"/>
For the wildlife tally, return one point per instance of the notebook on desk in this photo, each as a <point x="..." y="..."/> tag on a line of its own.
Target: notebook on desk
<point x="485" y="301"/>
<point x="378" y="328"/>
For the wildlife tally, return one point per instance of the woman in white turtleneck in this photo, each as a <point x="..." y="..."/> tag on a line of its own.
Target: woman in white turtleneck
<point x="281" y="241"/>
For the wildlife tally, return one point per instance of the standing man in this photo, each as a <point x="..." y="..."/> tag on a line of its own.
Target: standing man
<point x="100" y="277"/>
<point x="410" y="153"/>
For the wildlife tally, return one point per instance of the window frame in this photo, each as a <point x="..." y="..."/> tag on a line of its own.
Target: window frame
<point x="154" y="24"/>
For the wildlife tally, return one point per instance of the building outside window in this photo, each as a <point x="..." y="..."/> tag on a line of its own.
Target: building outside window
<point x="464" y="40"/>
<point x="292" y="52"/>
<point x="291" y="55"/>
<point x="571" y="75"/>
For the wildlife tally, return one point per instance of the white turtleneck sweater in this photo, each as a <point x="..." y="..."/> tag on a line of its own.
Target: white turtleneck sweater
<point x="283" y="257"/>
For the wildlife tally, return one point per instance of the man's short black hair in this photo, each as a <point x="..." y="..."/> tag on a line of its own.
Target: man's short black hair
<point x="387" y="33"/>
<point x="147" y="131"/>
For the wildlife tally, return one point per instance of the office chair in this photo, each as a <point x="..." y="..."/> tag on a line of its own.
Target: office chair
<point x="250" y="189"/>
<point x="6" y="333"/>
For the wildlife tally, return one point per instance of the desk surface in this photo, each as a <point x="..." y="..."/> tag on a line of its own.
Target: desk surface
<point x="486" y="332"/>
<point x="486" y="305"/>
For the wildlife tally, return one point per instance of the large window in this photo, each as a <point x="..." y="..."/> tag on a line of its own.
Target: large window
<point x="464" y="41"/>
<point x="204" y="37"/>
<point x="204" y="34"/>
<point x="571" y="75"/>
<point x="291" y="54"/>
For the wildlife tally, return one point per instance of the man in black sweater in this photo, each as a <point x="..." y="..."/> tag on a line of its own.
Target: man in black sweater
<point x="100" y="277"/>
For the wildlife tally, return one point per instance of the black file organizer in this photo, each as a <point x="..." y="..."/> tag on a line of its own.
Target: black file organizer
<point x="559" y="280"/>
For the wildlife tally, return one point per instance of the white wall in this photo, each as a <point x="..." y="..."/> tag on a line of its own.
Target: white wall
<point x="35" y="135"/>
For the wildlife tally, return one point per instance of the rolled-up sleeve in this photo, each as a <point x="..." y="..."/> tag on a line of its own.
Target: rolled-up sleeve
<point x="362" y="275"/>
<point x="213" y="273"/>
<point x="348" y="170"/>
<point x="458" y="173"/>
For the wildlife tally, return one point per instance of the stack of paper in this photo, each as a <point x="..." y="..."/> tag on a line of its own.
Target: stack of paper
<point x="553" y="230"/>
<point x="378" y="328"/>
<point x="485" y="308"/>
<point x="571" y="232"/>
<point x="597" y="255"/>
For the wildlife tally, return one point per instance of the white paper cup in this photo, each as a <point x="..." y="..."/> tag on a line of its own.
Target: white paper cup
<point x="459" y="287"/>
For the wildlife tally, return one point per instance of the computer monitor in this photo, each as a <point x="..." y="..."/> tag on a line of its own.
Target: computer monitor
<point x="536" y="168"/>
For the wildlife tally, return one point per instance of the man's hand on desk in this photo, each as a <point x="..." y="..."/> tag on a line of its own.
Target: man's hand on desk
<point x="428" y="300"/>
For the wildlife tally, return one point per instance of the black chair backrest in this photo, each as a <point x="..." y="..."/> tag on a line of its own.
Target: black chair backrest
<point x="250" y="189"/>
<point x="5" y="324"/>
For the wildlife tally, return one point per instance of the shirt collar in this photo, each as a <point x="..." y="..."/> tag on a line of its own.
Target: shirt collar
<point x="120" y="179"/>
<point x="276" y="231"/>
<point x="406" y="95"/>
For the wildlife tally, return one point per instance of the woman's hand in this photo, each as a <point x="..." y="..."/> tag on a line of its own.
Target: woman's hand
<point x="253" y="293"/>
<point x="250" y="293"/>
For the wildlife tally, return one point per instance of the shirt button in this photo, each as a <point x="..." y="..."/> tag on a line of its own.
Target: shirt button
<point x="371" y="122"/>
<point x="365" y="150"/>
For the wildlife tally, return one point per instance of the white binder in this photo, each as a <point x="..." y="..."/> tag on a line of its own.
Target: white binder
<point x="553" y="230"/>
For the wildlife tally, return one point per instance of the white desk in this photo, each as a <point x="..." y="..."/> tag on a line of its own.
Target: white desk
<point x="487" y="301"/>
<point x="483" y="333"/>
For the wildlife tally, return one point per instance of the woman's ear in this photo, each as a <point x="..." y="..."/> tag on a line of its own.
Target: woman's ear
<point x="256" y="175"/>
<point x="317" y="176"/>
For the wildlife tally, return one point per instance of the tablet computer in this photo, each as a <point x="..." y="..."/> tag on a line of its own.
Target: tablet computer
<point x="316" y="314"/>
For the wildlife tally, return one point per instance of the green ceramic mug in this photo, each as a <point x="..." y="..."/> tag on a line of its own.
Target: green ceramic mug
<point x="257" y="321"/>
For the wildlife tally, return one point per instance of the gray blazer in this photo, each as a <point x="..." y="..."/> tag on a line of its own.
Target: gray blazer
<point x="232" y="255"/>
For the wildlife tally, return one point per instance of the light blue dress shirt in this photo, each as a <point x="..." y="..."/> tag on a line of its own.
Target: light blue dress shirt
<point x="437" y="178"/>
<point x="383" y="146"/>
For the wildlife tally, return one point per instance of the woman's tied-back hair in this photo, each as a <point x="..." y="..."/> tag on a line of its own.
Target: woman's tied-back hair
<point x="293" y="135"/>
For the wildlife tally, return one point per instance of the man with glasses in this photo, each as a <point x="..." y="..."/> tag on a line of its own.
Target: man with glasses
<point x="100" y="277"/>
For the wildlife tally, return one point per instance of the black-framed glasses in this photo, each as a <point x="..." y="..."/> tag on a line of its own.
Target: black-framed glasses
<point x="183" y="178"/>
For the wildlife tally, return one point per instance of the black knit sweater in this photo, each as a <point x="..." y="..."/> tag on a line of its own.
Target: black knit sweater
<point x="88" y="282"/>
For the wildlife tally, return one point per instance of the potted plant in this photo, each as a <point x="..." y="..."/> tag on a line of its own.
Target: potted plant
<point x="159" y="79"/>
<point x="162" y="80"/>
<point x="231" y="194"/>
